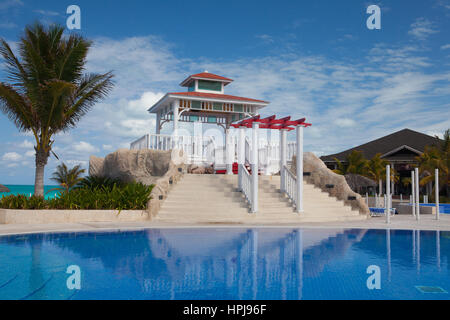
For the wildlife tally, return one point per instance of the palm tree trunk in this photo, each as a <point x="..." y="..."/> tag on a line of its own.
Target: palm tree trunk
<point x="41" y="161"/>
<point x="380" y="187"/>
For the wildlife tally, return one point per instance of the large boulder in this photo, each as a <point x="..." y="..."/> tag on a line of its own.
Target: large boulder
<point x="160" y="168"/>
<point x="331" y="182"/>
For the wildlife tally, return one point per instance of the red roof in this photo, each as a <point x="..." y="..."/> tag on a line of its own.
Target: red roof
<point x="208" y="75"/>
<point x="215" y="96"/>
<point x="205" y="75"/>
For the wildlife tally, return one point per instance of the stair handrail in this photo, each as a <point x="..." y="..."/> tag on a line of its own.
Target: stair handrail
<point x="246" y="184"/>
<point x="290" y="184"/>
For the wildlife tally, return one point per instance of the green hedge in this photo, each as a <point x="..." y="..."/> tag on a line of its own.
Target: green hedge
<point x="129" y="196"/>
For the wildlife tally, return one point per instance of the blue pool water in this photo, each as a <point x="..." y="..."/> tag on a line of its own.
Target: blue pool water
<point x="443" y="207"/>
<point x="227" y="263"/>
<point x="16" y="189"/>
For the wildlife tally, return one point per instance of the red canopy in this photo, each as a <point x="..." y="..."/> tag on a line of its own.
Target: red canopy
<point x="271" y="123"/>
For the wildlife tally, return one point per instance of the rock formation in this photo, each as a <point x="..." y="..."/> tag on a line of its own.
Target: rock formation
<point x="161" y="168"/>
<point x="328" y="181"/>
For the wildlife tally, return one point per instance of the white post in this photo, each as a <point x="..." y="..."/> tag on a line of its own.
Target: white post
<point x="436" y="191"/>
<point x="367" y="199"/>
<point x="175" y="105"/>
<point x="416" y="176"/>
<point x="413" y="193"/>
<point x="388" y="194"/>
<point x="283" y="159"/>
<point x="255" y="126"/>
<point x="158" y="121"/>
<point x="299" y="195"/>
<point x="241" y="155"/>
<point x="228" y="151"/>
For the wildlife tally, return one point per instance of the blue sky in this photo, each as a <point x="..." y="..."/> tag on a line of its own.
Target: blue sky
<point x="308" y="58"/>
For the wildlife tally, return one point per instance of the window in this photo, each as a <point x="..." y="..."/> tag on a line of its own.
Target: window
<point x="206" y="105"/>
<point x="238" y="108"/>
<point x="217" y="106"/>
<point x="185" y="104"/>
<point x="227" y="107"/>
<point x="210" y="85"/>
<point x="196" y="105"/>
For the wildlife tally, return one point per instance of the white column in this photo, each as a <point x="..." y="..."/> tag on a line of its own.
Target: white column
<point x="254" y="166"/>
<point x="388" y="194"/>
<point x="299" y="191"/>
<point x="413" y="194"/>
<point x="241" y="155"/>
<point x="416" y="176"/>
<point x="158" y="122"/>
<point x="436" y="191"/>
<point x="175" y="105"/>
<point x="229" y="151"/>
<point x="283" y="155"/>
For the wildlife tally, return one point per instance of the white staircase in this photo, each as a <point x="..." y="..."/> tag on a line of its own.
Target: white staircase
<point x="214" y="199"/>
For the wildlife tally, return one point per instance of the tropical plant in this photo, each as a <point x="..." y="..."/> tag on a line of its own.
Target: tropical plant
<point x="354" y="163"/>
<point x="127" y="196"/>
<point x="376" y="170"/>
<point x="48" y="91"/>
<point x="93" y="182"/>
<point x="67" y="178"/>
<point x="436" y="156"/>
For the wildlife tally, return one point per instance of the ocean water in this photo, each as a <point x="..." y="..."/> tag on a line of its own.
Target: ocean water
<point x="227" y="263"/>
<point x="27" y="190"/>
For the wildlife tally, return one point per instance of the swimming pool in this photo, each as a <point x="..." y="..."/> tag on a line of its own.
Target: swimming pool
<point x="227" y="263"/>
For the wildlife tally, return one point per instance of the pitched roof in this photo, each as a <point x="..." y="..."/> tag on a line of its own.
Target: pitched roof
<point x="216" y="96"/>
<point x="404" y="138"/>
<point x="205" y="75"/>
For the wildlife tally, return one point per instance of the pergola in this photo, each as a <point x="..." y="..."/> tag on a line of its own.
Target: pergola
<point x="291" y="185"/>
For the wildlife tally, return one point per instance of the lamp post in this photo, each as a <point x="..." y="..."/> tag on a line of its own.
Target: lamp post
<point x="299" y="191"/>
<point x="416" y="176"/>
<point x="388" y="194"/>
<point x="254" y="166"/>
<point x="436" y="191"/>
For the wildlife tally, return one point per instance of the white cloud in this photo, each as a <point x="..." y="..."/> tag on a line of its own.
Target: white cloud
<point x="445" y="47"/>
<point x="47" y="13"/>
<point x="11" y="156"/>
<point x="30" y="153"/>
<point x="422" y="28"/>
<point x="84" y="147"/>
<point x="345" y="123"/>
<point x="107" y="147"/>
<point x="26" y="144"/>
<point x="7" y="4"/>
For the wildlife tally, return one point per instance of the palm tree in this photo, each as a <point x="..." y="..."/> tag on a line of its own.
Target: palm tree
<point x="67" y="178"/>
<point x="48" y="91"/>
<point x="376" y="170"/>
<point x="437" y="156"/>
<point x="355" y="163"/>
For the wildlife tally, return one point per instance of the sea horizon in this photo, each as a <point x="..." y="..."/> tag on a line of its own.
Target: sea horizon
<point x="28" y="189"/>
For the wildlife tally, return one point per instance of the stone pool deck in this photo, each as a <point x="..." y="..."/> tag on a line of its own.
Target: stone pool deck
<point x="427" y="222"/>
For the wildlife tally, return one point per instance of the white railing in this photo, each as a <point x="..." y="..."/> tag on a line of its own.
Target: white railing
<point x="246" y="184"/>
<point x="290" y="184"/>
<point x="141" y="143"/>
<point x="204" y="149"/>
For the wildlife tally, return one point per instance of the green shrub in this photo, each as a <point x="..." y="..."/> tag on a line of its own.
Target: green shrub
<point x="92" y="182"/>
<point x="22" y="202"/>
<point x="122" y="196"/>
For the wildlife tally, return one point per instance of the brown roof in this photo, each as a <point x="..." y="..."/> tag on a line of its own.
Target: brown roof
<point x="406" y="137"/>
<point x="215" y="96"/>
